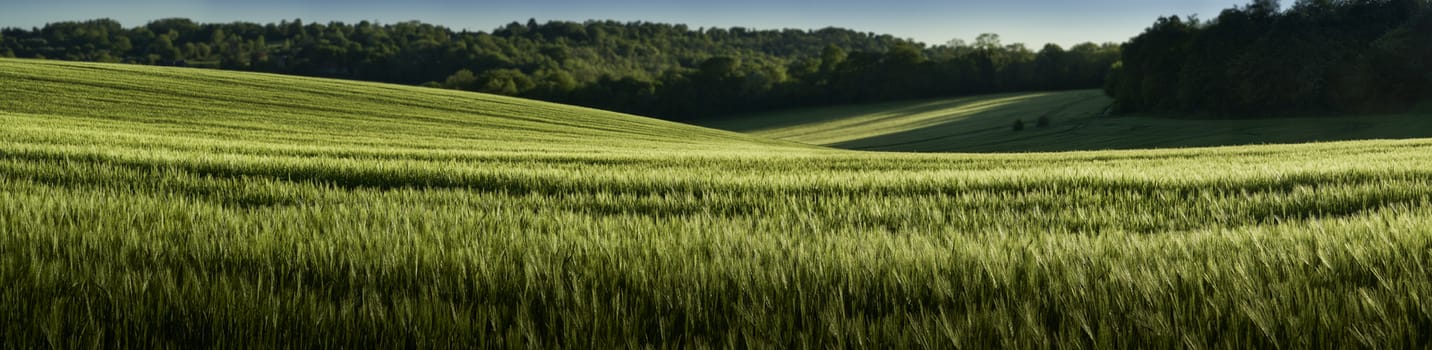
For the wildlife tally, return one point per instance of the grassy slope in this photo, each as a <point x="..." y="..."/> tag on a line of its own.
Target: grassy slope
<point x="142" y="205"/>
<point x="983" y="124"/>
<point x="139" y="105"/>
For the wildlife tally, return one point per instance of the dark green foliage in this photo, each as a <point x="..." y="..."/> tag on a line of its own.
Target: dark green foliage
<point x="1018" y="125"/>
<point x="1043" y="121"/>
<point x="1319" y="55"/>
<point x="662" y="70"/>
<point x="1394" y="72"/>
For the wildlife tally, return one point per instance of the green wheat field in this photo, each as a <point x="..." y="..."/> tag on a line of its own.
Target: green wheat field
<point x="150" y="207"/>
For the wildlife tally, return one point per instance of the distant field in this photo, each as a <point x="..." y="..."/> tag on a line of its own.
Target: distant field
<point x="1076" y="122"/>
<point x="157" y="207"/>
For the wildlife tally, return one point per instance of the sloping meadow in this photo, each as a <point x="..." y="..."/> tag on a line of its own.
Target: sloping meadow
<point x="145" y="206"/>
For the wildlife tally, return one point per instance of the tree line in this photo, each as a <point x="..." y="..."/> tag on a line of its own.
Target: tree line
<point x="1260" y="59"/>
<point x="670" y="71"/>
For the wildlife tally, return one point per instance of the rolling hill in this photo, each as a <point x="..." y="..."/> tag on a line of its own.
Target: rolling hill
<point x="1077" y="122"/>
<point x="140" y="106"/>
<point x="165" y="207"/>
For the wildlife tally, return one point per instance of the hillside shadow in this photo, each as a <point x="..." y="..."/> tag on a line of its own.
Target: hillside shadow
<point x="970" y="123"/>
<point x="1091" y="133"/>
<point x="983" y="124"/>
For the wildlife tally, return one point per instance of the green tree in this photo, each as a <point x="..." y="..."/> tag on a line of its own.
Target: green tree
<point x="1051" y="65"/>
<point x="163" y="48"/>
<point x="719" y="68"/>
<point x="556" y="84"/>
<point x="831" y="57"/>
<point x="988" y="42"/>
<point x="504" y="82"/>
<point x="462" y="80"/>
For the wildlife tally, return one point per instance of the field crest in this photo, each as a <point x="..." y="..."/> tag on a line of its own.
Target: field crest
<point x="220" y="106"/>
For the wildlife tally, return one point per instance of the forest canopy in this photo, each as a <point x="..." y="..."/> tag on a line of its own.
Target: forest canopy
<point x="670" y="71"/>
<point x="1260" y="60"/>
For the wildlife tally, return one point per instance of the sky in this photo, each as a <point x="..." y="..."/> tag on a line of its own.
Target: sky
<point x="1033" y="22"/>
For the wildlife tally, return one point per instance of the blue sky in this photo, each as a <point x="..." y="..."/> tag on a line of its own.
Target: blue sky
<point x="1033" y="22"/>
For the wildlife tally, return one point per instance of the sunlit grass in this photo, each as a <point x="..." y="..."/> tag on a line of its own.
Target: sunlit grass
<point x="146" y="206"/>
